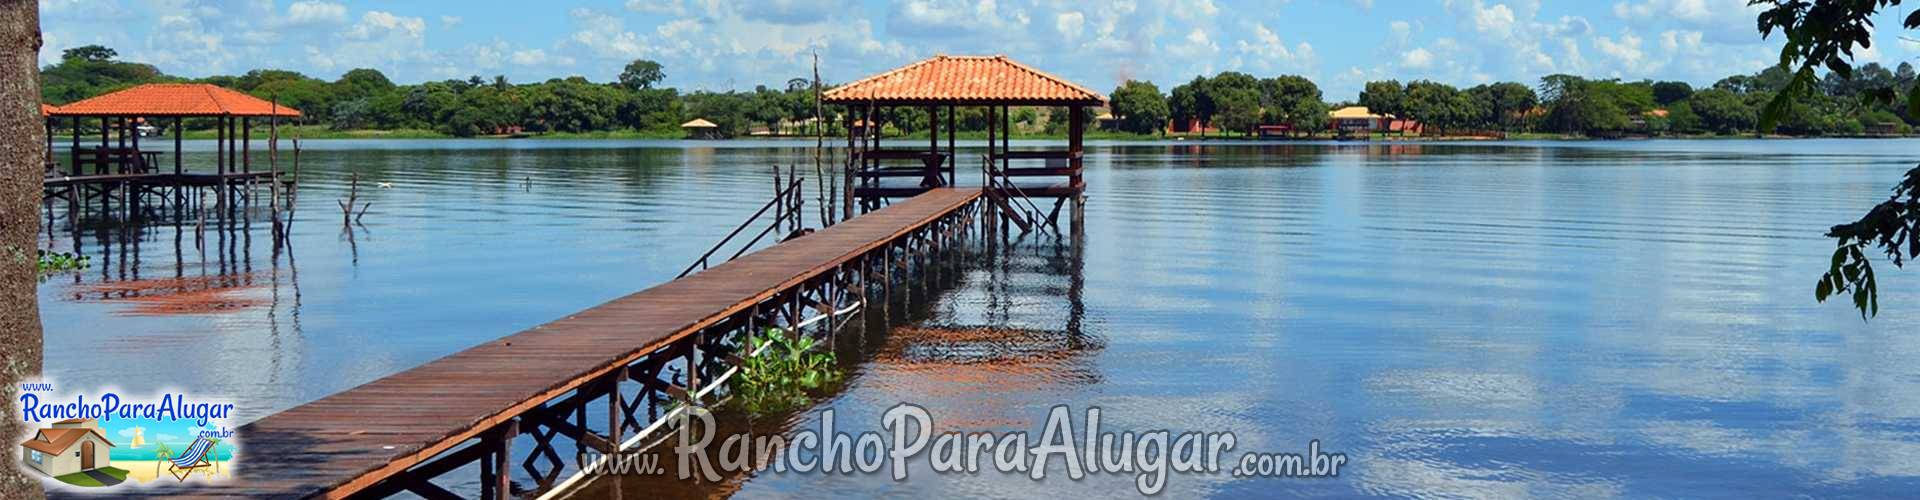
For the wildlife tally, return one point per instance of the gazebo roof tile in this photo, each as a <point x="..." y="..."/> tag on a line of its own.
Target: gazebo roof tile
<point x="175" y="99"/>
<point x="965" y="80"/>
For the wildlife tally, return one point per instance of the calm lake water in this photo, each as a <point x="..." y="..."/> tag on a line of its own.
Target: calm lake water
<point x="1486" y="320"/>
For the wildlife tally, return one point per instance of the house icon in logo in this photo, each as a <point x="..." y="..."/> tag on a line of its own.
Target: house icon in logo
<point x="70" y="446"/>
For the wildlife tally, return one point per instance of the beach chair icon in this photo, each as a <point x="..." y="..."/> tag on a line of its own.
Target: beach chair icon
<point x="195" y="458"/>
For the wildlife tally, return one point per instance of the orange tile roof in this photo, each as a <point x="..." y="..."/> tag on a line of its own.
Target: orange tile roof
<point x="174" y="99"/>
<point x="46" y="110"/>
<point x="965" y="80"/>
<point x="56" y="441"/>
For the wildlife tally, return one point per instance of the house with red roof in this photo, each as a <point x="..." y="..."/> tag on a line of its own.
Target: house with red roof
<point x="69" y="446"/>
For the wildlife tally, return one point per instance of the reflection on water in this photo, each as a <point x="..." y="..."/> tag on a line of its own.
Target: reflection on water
<point x="1500" y="319"/>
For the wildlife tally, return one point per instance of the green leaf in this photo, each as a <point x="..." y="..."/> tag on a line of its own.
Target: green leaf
<point x="1913" y="102"/>
<point x="1822" y="290"/>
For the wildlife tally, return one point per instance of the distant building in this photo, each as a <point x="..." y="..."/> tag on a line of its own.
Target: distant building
<point x="1190" y="126"/>
<point x="69" y="446"/>
<point x="1282" y="130"/>
<point x="700" y="128"/>
<point x="1352" y="119"/>
<point x="1356" y="119"/>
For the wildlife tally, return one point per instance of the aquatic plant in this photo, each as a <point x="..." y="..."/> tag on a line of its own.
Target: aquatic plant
<point x="59" y="262"/>
<point x="788" y="370"/>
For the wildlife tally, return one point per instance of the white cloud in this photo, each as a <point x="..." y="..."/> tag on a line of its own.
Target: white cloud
<point x="1418" y="58"/>
<point x="316" y="12"/>
<point x="530" y="57"/>
<point x="450" y="21"/>
<point x="380" y="24"/>
<point x="1626" y="51"/>
<point x="1070" y="24"/>
<point x="668" y="7"/>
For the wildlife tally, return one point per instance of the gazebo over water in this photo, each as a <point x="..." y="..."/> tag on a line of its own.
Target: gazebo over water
<point x="942" y="84"/>
<point x="118" y="162"/>
<point x="120" y="113"/>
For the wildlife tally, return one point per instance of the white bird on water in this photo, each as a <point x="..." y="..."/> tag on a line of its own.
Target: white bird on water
<point x="386" y="185"/>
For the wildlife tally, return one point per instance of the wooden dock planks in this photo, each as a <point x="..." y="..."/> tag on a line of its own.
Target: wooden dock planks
<point x="350" y="440"/>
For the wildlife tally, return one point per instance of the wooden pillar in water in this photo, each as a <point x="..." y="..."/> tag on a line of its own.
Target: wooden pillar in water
<point x="953" y="153"/>
<point x="246" y="144"/>
<point x="1076" y="129"/>
<point x="846" y="203"/>
<point x="933" y="139"/>
<point x="73" y="153"/>
<point x="99" y="158"/>
<point x="177" y="131"/>
<point x="220" y="146"/>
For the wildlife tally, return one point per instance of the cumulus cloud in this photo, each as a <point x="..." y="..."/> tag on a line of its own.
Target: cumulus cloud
<point x="380" y="24"/>
<point x="1418" y="58"/>
<point x="315" y="12"/>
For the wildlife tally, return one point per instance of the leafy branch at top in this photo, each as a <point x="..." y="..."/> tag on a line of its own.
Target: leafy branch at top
<point x="1891" y="225"/>
<point x="1825" y="33"/>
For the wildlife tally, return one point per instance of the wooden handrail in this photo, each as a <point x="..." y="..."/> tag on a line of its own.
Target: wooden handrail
<point x="702" y="263"/>
<point x="997" y="180"/>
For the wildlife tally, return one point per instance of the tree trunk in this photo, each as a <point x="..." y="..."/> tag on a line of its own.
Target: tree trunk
<point x="22" y="146"/>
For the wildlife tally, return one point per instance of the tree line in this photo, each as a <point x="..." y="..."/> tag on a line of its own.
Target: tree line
<point x="1230" y="101"/>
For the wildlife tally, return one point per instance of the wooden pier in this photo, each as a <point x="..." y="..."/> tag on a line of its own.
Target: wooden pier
<point x="632" y="356"/>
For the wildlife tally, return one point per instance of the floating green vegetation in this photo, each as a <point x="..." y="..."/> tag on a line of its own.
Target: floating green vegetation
<point x="789" y="370"/>
<point x="60" y="262"/>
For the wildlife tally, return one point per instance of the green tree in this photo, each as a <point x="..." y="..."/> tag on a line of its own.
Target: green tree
<point x="1438" y="105"/>
<point x="1505" y="103"/>
<point x="1666" y="93"/>
<point x="312" y="97"/>
<point x="1293" y="100"/>
<point x="1140" y="107"/>
<point x="641" y="74"/>
<point x="89" y="71"/>
<point x="1577" y="105"/>
<point x="1188" y="102"/>
<point x="1388" y="97"/>
<point x="362" y="83"/>
<point x="1683" y="119"/>
<point x="90" y="53"/>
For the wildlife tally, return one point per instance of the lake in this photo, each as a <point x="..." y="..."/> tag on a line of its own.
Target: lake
<point x="1583" y="319"/>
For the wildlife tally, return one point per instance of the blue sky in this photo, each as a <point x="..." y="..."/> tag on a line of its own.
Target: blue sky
<point x="716" y="45"/>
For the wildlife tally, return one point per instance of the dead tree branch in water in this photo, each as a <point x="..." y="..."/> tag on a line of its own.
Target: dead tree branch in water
<point x="347" y="215"/>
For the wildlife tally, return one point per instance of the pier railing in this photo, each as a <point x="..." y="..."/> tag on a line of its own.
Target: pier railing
<point x="786" y="207"/>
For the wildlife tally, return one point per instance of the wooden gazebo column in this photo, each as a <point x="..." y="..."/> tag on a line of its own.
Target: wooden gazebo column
<point x="846" y="202"/>
<point x="73" y="153"/>
<point x="99" y="157"/>
<point x="177" y="131"/>
<point x="219" y="145"/>
<point x="953" y="153"/>
<point x="1076" y="130"/>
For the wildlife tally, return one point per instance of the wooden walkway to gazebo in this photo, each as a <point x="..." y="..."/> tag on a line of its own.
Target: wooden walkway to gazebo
<point x="398" y="433"/>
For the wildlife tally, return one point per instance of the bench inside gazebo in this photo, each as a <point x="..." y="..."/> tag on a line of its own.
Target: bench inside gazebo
<point x="941" y="85"/>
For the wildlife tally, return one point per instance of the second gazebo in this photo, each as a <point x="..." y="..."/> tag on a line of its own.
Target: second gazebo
<point x="945" y="83"/>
